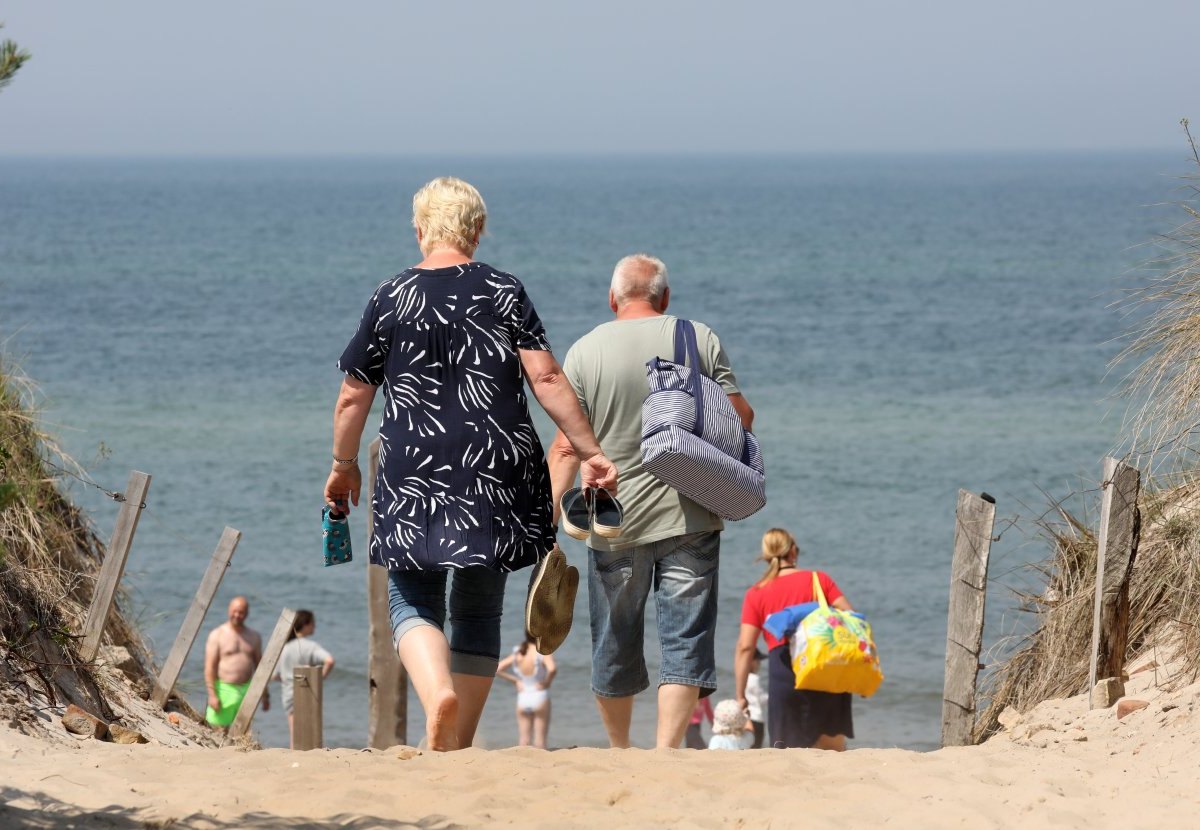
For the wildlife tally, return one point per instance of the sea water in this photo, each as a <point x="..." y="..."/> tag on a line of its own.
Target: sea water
<point x="903" y="327"/>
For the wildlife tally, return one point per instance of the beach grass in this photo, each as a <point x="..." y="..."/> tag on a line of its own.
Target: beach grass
<point x="49" y="554"/>
<point x="1164" y="348"/>
<point x="1164" y="606"/>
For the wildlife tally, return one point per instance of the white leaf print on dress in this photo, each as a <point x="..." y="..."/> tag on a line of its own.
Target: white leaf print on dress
<point x="412" y="390"/>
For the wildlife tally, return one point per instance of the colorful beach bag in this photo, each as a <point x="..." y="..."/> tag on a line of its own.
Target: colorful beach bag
<point x="833" y="651"/>
<point x="693" y="439"/>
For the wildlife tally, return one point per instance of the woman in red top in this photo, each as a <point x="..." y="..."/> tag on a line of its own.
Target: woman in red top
<point x="796" y="718"/>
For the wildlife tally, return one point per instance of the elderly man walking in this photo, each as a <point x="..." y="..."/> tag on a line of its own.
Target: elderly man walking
<point x="668" y="543"/>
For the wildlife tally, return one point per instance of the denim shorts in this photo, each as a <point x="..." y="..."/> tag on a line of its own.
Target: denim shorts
<point x="417" y="598"/>
<point x="682" y="571"/>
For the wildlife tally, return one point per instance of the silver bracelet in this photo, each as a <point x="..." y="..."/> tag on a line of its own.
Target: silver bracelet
<point x="345" y="462"/>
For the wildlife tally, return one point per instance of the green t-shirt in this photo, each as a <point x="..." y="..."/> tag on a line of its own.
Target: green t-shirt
<point x="607" y="368"/>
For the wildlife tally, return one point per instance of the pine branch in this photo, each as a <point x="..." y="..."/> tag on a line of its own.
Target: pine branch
<point x="12" y="57"/>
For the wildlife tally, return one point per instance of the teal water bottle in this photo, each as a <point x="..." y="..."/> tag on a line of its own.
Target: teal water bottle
<point x="336" y="532"/>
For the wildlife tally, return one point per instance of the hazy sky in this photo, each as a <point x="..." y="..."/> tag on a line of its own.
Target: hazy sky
<point x="255" y="77"/>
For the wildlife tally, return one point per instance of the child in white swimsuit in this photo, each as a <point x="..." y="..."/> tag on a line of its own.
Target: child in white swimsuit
<point x="532" y="673"/>
<point x="531" y="691"/>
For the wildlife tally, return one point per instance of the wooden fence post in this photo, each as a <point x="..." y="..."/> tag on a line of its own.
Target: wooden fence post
<point x="262" y="675"/>
<point x="1120" y="528"/>
<point x="109" y="578"/>
<point x="307" y="717"/>
<point x="964" y="628"/>
<point x="387" y="722"/>
<point x="195" y="616"/>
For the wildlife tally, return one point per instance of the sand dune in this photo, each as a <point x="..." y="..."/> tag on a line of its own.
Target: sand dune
<point x="1058" y="766"/>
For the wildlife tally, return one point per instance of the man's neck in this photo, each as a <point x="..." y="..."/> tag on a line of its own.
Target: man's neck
<point x="636" y="310"/>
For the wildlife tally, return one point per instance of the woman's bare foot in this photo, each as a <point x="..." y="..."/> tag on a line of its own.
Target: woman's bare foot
<point x="837" y="743"/>
<point x="441" y="725"/>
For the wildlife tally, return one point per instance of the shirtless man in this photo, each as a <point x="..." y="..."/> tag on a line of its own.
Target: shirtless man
<point x="230" y="658"/>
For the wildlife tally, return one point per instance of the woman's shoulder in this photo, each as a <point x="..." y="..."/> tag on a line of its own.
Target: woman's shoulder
<point x="473" y="268"/>
<point x="390" y="284"/>
<point x="782" y="579"/>
<point x="755" y="591"/>
<point x="442" y="283"/>
<point x="500" y="284"/>
<point x="494" y="275"/>
<point x="781" y="585"/>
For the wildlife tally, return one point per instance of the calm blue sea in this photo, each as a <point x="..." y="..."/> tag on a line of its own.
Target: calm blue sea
<point x="903" y="326"/>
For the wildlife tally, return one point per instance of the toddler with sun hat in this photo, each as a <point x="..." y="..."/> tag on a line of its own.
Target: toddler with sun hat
<point x="731" y="727"/>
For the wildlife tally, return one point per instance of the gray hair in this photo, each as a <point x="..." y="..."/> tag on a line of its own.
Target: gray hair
<point x="639" y="277"/>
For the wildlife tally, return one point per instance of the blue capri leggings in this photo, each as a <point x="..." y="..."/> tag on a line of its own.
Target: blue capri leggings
<point x="418" y="598"/>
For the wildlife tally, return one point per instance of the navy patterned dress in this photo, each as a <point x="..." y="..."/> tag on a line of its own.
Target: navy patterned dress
<point x="462" y="478"/>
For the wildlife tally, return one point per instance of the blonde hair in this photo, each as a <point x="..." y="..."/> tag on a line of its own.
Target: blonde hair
<point x="449" y="212"/>
<point x="639" y="277"/>
<point x="777" y="544"/>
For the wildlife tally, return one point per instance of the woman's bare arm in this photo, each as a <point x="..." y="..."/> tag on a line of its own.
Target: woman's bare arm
<point x="349" y="418"/>
<point x="743" y="656"/>
<point x="553" y="391"/>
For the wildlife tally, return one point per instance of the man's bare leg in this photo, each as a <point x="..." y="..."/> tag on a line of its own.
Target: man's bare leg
<point x="675" y="705"/>
<point x="472" y="693"/>
<point x="617" y="715"/>
<point x="426" y="656"/>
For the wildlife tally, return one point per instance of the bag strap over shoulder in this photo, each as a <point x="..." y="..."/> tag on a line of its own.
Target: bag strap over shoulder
<point x="819" y="594"/>
<point x="688" y="353"/>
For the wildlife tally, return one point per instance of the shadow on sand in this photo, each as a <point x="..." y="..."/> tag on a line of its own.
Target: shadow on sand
<point x="42" y="811"/>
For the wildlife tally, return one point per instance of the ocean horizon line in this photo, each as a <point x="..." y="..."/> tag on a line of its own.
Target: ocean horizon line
<point x="959" y="153"/>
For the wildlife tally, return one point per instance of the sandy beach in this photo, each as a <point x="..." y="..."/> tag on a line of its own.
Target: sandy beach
<point x="1059" y="765"/>
<point x="941" y="264"/>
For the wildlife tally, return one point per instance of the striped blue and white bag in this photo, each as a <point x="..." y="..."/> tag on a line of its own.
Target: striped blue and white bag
<point x="693" y="439"/>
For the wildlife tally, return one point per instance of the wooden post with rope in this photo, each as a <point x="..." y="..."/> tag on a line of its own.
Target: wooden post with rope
<point x="387" y="722"/>
<point x="195" y="616"/>
<point x="111" y="571"/>
<point x="974" y="519"/>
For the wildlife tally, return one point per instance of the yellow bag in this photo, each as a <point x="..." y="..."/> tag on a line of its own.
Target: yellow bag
<point x="833" y="651"/>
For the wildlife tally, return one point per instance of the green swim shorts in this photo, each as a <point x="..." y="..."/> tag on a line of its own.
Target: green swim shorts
<point x="230" y="695"/>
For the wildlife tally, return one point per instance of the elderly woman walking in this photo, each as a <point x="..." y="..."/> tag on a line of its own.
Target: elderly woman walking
<point x="462" y="486"/>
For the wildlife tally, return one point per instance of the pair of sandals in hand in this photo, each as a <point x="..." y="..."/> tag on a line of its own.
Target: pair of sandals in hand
<point x="588" y="510"/>
<point x="550" y="607"/>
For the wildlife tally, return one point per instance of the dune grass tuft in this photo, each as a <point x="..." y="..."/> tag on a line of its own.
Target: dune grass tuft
<point x="1164" y="348"/>
<point x="49" y="555"/>
<point x="1164" y="606"/>
<point x="1164" y="613"/>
